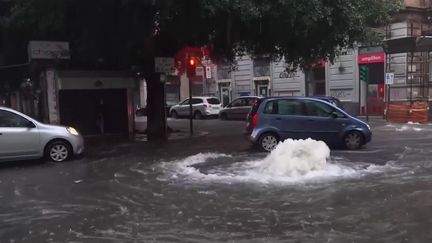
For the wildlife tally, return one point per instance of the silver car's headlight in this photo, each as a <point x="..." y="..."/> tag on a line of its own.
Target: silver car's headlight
<point x="72" y="131"/>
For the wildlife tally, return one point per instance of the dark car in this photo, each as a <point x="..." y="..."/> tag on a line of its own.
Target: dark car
<point x="238" y="108"/>
<point x="275" y="119"/>
<point x="330" y="99"/>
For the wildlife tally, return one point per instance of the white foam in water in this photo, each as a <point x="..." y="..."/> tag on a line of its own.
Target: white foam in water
<point x="408" y="128"/>
<point x="292" y="161"/>
<point x="294" y="158"/>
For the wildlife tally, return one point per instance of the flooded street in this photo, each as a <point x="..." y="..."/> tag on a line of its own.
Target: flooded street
<point x="380" y="194"/>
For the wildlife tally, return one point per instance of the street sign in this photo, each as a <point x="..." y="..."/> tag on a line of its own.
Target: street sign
<point x="389" y="78"/>
<point x="208" y="72"/>
<point x="199" y="71"/>
<point x="164" y="65"/>
<point x="48" y="50"/>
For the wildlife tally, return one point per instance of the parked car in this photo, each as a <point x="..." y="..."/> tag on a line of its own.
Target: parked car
<point x="202" y="107"/>
<point x="238" y="108"/>
<point x="275" y="119"/>
<point x="22" y="137"/>
<point x="330" y="99"/>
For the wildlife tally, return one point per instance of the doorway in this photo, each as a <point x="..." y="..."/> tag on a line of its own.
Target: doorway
<point x="373" y="96"/>
<point x="262" y="88"/>
<point x="315" y="81"/>
<point x="82" y="109"/>
<point x="225" y="93"/>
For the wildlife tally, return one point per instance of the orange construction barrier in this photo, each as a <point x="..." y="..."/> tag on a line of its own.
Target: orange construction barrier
<point x="402" y="113"/>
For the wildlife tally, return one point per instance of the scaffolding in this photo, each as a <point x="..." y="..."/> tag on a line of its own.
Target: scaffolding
<point x="415" y="78"/>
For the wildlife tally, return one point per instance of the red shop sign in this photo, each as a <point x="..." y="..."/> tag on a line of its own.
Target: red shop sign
<point x="371" y="58"/>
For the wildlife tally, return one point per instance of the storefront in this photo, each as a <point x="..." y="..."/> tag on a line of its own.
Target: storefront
<point x="372" y="90"/>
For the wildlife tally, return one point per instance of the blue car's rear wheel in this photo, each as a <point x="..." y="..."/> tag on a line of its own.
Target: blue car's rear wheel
<point x="268" y="141"/>
<point x="353" y="140"/>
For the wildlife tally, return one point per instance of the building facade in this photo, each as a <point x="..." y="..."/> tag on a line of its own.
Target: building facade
<point x="269" y="78"/>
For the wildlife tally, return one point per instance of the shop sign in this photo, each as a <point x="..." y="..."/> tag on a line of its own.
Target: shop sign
<point x="48" y="50"/>
<point x="371" y="58"/>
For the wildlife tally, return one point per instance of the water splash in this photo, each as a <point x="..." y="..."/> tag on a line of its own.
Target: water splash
<point x="296" y="158"/>
<point x="292" y="162"/>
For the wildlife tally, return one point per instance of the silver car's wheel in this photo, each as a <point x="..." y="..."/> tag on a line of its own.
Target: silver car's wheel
<point x="58" y="151"/>
<point x="268" y="142"/>
<point x="353" y="140"/>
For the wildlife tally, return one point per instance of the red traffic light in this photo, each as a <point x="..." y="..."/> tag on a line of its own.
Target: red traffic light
<point x="192" y="62"/>
<point x="191" y="67"/>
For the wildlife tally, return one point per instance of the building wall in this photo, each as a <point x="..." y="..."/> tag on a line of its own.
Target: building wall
<point x="243" y="76"/>
<point x="342" y="80"/>
<point x="284" y="83"/>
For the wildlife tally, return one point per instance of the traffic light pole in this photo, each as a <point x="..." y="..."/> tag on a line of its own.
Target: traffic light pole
<point x="364" y="77"/>
<point x="190" y="107"/>
<point x="190" y="70"/>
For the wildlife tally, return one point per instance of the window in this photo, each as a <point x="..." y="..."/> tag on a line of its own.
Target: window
<point x="238" y="103"/>
<point x="186" y="102"/>
<point x="196" y="101"/>
<point x="213" y="101"/>
<point x="315" y="108"/>
<point x="284" y="107"/>
<point x="9" y="119"/>
<point x="251" y="101"/>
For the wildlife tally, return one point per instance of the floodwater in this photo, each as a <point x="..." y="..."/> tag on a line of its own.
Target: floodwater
<point x="299" y="193"/>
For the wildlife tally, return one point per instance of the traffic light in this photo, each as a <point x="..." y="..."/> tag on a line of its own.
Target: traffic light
<point x="191" y="67"/>
<point x="364" y="73"/>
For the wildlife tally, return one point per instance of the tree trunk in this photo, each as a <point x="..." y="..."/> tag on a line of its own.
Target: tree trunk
<point x="156" y="115"/>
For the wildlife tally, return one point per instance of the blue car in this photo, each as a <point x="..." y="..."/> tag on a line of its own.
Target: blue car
<point x="278" y="118"/>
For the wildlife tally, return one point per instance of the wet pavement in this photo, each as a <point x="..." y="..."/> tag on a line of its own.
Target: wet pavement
<point x="217" y="189"/>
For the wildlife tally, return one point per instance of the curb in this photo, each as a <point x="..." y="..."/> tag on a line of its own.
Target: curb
<point x="173" y="136"/>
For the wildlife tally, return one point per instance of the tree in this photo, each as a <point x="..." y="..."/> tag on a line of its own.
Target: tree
<point x="125" y="33"/>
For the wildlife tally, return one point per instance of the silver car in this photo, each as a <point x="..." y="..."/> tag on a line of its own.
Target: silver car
<point x="238" y="108"/>
<point x="22" y="137"/>
<point x="201" y="107"/>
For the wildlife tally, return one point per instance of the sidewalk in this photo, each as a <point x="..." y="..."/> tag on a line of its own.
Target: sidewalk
<point x="110" y="139"/>
<point x="373" y="120"/>
<point x="139" y="137"/>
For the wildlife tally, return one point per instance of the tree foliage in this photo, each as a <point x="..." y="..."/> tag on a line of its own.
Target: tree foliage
<point x="299" y="31"/>
<point x="120" y="33"/>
